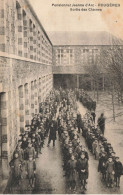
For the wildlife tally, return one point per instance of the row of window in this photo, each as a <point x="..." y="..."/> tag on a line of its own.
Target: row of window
<point x="65" y="50"/>
<point x="24" y="35"/>
<point x="72" y="50"/>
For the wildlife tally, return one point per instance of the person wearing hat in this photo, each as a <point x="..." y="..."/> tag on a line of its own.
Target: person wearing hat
<point x="66" y="151"/>
<point x="102" y="150"/>
<point x="82" y="168"/>
<point x="38" y="142"/>
<point x="71" y="168"/>
<point x="35" y="146"/>
<point x="76" y="151"/>
<point x="79" y="151"/>
<point x="84" y="131"/>
<point x="32" y="128"/>
<point x="108" y="147"/>
<point x="42" y="135"/>
<point x="113" y="156"/>
<point x="93" y="115"/>
<point x="85" y="152"/>
<point x="31" y="170"/>
<point x="91" y="140"/>
<point x="24" y="143"/>
<point x="102" y="165"/>
<point x="94" y="148"/>
<point x="30" y="151"/>
<point x="101" y="123"/>
<point x="47" y="124"/>
<point x="71" y="132"/>
<point x="118" y="167"/>
<point x="74" y="141"/>
<point x="110" y="171"/>
<point x="110" y="150"/>
<point x="105" y="145"/>
<point x="79" y="122"/>
<point x="59" y="125"/>
<point x="15" y="165"/>
<point x="52" y="133"/>
<point x="63" y="136"/>
<point x="20" y="153"/>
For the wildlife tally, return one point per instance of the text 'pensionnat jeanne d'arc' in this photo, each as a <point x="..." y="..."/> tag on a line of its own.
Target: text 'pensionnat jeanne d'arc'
<point x="85" y="5"/>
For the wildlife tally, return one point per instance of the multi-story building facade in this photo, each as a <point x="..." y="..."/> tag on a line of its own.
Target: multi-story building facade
<point x="21" y="32"/>
<point x="25" y="71"/>
<point x="73" y="60"/>
<point x="75" y="53"/>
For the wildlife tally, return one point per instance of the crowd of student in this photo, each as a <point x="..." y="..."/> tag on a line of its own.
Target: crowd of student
<point x="31" y="141"/>
<point x="75" y="156"/>
<point x="85" y="99"/>
<point x="109" y="164"/>
<point x="69" y="124"/>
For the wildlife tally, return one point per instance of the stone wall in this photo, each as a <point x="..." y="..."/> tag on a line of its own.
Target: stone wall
<point x="21" y="32"/>
<point x="25" y="71"/>
<point x="69" y="70"/>
<point x="23" y="85"/>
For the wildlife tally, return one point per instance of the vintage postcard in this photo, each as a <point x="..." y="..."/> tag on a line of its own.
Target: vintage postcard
<point x="61" y="96"/>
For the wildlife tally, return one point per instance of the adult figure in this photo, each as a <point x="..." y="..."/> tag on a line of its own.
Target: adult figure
<point x="93" y="115"/>
<point x="15" y="165"/>
<point x="52" y="131"/>
<point x="101" y="123"/>
<point x="79" y="122"/>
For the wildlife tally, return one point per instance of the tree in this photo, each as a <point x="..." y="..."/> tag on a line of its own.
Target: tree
<point x="112" y="61"/>
<point x="94" y="72"/>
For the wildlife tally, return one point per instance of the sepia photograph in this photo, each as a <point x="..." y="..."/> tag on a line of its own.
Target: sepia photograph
<point x="61" y="97"/>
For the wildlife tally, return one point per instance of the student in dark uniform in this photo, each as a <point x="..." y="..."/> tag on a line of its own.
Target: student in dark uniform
<point x="31" y="170"/>
<point x="20" y="153"/>
<point x="118" y="167"/>
<point x="82" y="167"/>
<point x="72" y="173"/>
<point x="30" y="151"/>
<point x="35" y="146"/>
<point x="102" y="165"/>
<point x="24" y="143"/>
<point x="38" y="142"/>
<point x="110" y="170"/>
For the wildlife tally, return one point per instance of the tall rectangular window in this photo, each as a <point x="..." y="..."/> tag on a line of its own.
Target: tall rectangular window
<point x="20" y="41"/>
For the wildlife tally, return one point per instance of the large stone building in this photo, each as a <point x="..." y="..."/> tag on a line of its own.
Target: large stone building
<point x="25" y="71"/>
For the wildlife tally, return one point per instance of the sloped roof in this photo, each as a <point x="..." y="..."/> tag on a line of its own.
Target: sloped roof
<point x="82" y="38"/>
